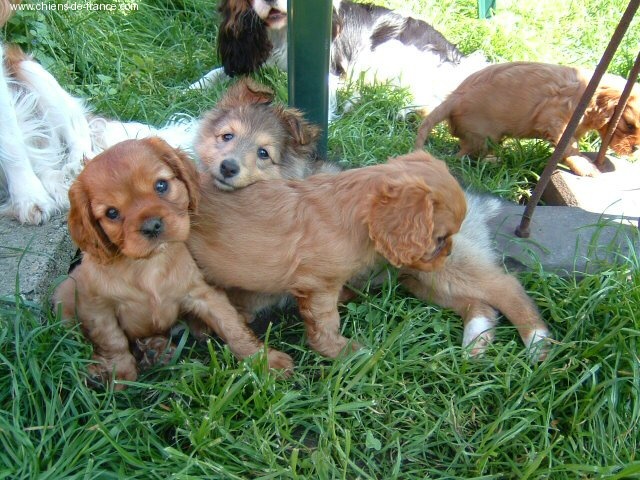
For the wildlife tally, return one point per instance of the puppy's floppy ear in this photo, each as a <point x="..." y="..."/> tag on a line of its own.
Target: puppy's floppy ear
<point x="84" y="228"/>
<point x="606" y="99"/>
<point x="243" y="42"/>
<point x="183" y="167"/>
<point x="245" y="92"/>
<point x="301" y="131"/>
<point x="400" y="220"/>
<point x="336" y="24"/>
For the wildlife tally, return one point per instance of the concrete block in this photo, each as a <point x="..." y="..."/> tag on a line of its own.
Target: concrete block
<point x="614" y="192"/>
<point x="31" y="257"/>
<point x="566" y="240"/>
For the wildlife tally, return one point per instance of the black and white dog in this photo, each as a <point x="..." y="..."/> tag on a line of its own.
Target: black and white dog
<point x="367" y="40"/>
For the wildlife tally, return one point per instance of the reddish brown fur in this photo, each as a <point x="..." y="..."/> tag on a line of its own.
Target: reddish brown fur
<point x="310" y="237"/>
<point x="132" y="283"/>
<point x="534" y="100"/>
<point x="6" y="11"/>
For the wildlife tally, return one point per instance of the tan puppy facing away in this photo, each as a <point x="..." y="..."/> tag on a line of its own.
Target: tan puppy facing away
<point x="309" y="237"/>
<point x="535" y="100"/>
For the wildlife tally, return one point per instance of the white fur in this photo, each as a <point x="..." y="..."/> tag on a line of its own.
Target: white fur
<point x="479" y="333"/>
<point x="179" y="132"/>
<point x="36" y="136"/>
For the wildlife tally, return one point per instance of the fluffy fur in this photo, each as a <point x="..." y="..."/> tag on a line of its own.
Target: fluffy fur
<point x="474" y="285"/>
<point x="44" y="137"/>
<point x="309" y="237"/>
<point x="471" y="281"/>
<point x="130" y="215"/>
<point x="247" y="138"/>
<point x="535" y="100"/>
<point x="367" y="40"/>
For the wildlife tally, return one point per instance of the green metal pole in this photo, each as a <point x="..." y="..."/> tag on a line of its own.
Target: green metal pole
<point x="486" y="8"/>
<point x="309" y="39"/>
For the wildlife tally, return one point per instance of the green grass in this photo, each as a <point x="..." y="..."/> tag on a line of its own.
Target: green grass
<point x="410" y="404"/>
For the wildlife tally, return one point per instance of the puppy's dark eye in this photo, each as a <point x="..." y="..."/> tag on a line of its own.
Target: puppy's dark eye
<point x="112" y="213"/>
<point x="630" y="127"/>
<point x="161" y="186"/>
<point x="441" y="239"/>
<point x="263" y="154"/>
<point x="226" y="137"/>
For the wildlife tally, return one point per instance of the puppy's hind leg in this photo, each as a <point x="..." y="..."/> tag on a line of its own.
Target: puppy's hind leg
<point x="479" y="318"/>
<point x="472" y="144"/>
<point x="66" y="113"/>
<point x="505" y="293"/>
<point x="213" y="307"/>
<point x="28" y="200"/>
<point x="322" y="321"/>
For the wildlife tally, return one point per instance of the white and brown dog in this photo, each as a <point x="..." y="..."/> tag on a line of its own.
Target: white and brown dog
<point x="44" y="136"/>
<point x="367" y="40"/>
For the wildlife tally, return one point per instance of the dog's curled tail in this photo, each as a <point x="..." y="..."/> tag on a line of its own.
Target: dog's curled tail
<point x="440" y="113"/>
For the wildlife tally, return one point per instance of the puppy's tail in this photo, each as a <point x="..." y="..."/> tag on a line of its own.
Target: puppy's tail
<point x="440" y="113"/>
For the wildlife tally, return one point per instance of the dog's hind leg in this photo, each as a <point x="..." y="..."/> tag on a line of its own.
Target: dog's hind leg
<point x="28" y="200"/>
<point x="479" y="318"/>
<point x="66" y="113"/>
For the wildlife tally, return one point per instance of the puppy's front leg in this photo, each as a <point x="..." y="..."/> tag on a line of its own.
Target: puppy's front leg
<point x="322" y="321"/>
<point x="576" y="161"/>
<point x="213" y="307"/>
<point x="111" y="345"/>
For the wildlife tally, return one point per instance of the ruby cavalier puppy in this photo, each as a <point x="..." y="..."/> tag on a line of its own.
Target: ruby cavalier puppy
<point x="131" y="210"/>
<point x="309" y="237"/>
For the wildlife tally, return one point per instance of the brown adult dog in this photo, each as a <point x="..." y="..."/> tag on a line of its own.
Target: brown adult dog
<point x="130" y="215"/>
<point x="309" y="237"/>
<point x="535" y="100"/>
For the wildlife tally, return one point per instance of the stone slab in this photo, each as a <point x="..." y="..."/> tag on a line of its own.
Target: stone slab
<point x="614" y="192"/>
<point x="566" y="240"/>
<point x="32" y="257"/>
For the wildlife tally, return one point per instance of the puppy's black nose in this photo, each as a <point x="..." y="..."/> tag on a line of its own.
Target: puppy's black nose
<point x="229" y="168"/>
<point x="152" y="227"/>
<point x="635" y="148"/>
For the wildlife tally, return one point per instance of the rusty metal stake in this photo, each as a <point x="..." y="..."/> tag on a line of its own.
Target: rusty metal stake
<point x="617" y="113"/>
<point x="523" y="229"/>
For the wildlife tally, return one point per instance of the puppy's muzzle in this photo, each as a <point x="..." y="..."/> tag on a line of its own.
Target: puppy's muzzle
<point x="152" y="227"/>
<point x="229" y="168"/>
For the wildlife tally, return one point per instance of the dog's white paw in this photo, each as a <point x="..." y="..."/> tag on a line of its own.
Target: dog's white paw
<point x="31" y="205"/>
<point x="57" y="187"/>
<point x="478" y="335"/>
<point x="538" y="343"/>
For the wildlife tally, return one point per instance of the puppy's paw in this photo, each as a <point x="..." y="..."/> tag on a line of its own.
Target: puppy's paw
<point x="582" y="166"/>
<point x="280" y="361"/>
<point x="538" y="343"/>
<point x="151" y="351"/>
<point x="34" y="211"/>
<point x="478" y="335"/>
<point x="336" y="346"/>
<point x="122" y="367"/>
